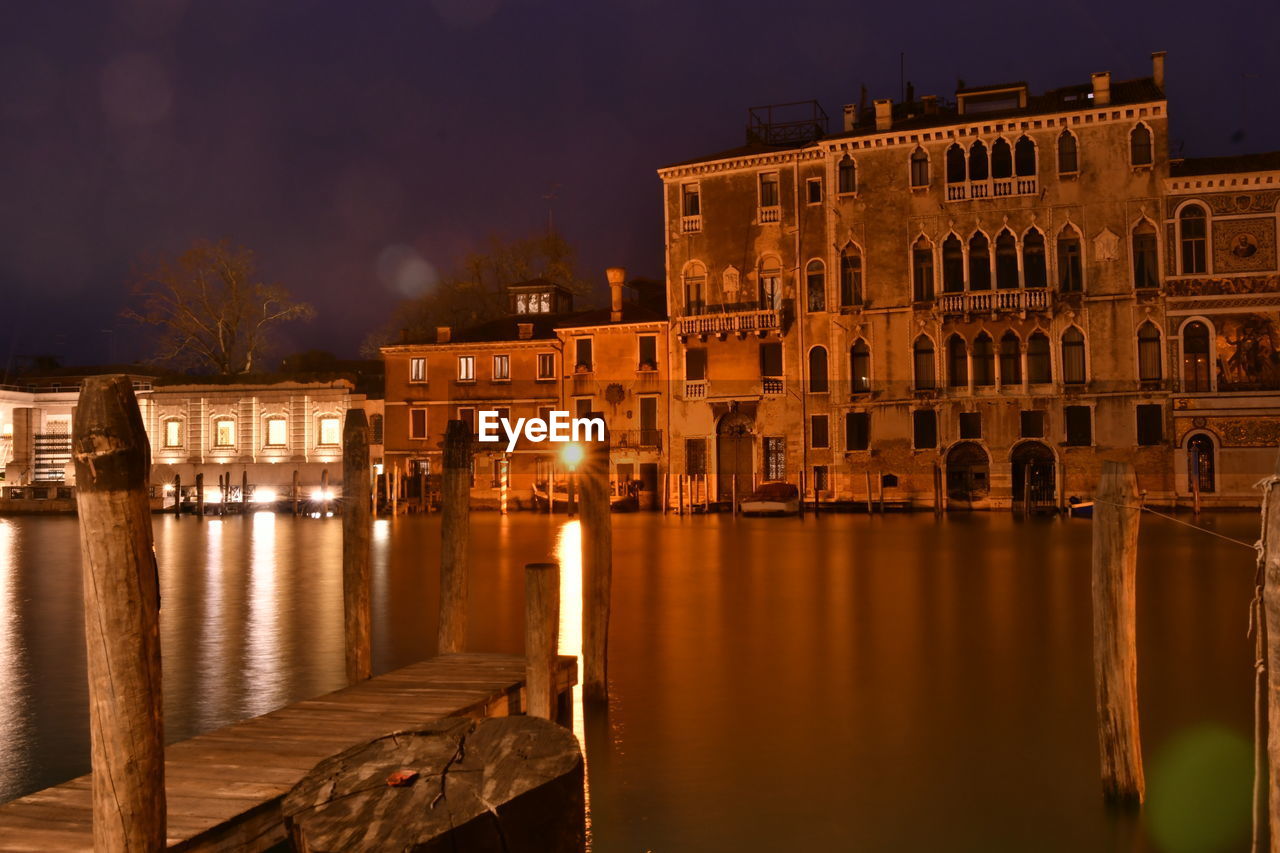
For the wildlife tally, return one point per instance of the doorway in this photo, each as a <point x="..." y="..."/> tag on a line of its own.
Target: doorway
<point x="735" y="455"/>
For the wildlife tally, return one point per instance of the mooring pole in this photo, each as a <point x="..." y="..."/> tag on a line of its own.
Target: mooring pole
<point x="1268" y="689"/>
<point x="324" y="493"/>
<point x="177" y="495"/>
<point x="244" y="490"/>
<point x="199" y="495"/>
<point x="541" y="637"/>
<point x="455" y="521"/>
<point x="597" y="567"/>
<point x="803" y="487"/>
<point x="680" y="478"/>
<point x="122" y="617"/>
<point x="356" y="531"/>
<point x="1115" y="659"/>
<point x="870" y="498"/>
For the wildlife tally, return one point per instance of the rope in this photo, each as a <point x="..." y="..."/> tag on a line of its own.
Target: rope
<point x="1252" y="546"/>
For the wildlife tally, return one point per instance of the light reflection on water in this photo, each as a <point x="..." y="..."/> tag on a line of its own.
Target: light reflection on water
<point x="14" y="709"/>
<point x="569" y="556"/>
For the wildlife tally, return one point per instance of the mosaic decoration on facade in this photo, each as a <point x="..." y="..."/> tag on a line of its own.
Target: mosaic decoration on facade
<point x="1235" y="432"/>
<point x="1231" y="204"/>
<point x="1222" y="286"/>
<point x="1248" y="352"/>
<point x="1244" y="245"/>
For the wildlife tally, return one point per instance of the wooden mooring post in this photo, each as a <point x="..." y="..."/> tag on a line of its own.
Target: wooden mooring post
<point x="122" y="617"/>
<point x="177" y="495"/>
<point x="1115" y="660"/>
<point x="199" y="495"/>
<point x="597" y="568"/>
<point x="296" y="488"/>
<point x="1267" y="787"/>
<point x="455" y="523"/>
<point x="324" y="493"/>
<point x="356" y="532"/>
<point x="541" y="637"/>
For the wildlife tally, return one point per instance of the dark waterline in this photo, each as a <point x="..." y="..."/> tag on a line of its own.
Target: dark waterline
<point x="884" y="683"/>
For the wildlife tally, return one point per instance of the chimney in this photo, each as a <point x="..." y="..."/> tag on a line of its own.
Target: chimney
<point x="1102" y="88"/>
<point x="404" y="336"/>
<point x="884" y="114"/>
<point x="911" y="92"/>
<point x="442" y="334"/>
<point x="524" y="331"/>
<point x="616" y="276"/>
<point x="850" y="117"/>
<point x="930" y="104"/>
<point x="1157" y="69"/>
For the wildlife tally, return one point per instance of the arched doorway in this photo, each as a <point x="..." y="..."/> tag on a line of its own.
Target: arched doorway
<point x="1200" y="469"/>
<point x="735" y="455"/>
<point x="968" y="472"/>
<point x="1034" y="481"/>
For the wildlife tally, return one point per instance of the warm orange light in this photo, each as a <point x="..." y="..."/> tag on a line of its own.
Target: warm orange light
<point x="572" y="454"/>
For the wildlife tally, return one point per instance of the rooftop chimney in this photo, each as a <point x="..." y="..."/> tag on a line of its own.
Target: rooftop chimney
<point x="616" y="276"/>
<point x="911" y="92"/>
<point x="1102" y="88"/>
<point x="850" y="117"/>
<point x="442" y="334"/>
<point x="884" y="114"/>
<point x="930" y="104"/>
<point x="1157" y="69"/>
<point x="524" y="331"/>
<point x="404" y="336"/>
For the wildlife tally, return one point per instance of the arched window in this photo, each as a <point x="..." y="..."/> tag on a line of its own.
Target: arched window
<point x="860" y="367"/>
<point x="1195" y="358"/>
<point x="847" y="176"/>
<point x="978" y="166"/>
<point x="1006" y="260"/>
<point x="815" y="277"/>
<point x="1073" y="357"/>
<point x="818" y="370"/>
<point x="1193" y="239"/>
<point x="922" y="357"/>
<point x="1146" y="272"/>
<point x="979" y="262"/>
<point x="919" y="168"/>
<point x="1149" y="353"/>
<point x="1001" y="160"/>
<point x="1070" y="267"/>
<point x="922" y="271"/>
<point x="1034" y="270"/>
<point x="1140" y="146"/>
<point x="1038" y="369"/>
<point x="770" y="296"/>
<point x="850" y="276"/>
<point x="1068" y="155"/>
<point x="957" y="362"/>
<point x="1024" y="157"/>
<point x="984" y="361"/>
<point x="695" y="286"/>
<point x="955" y="164"/>
<point x="952" y="265"/>
<point x="1010" y="359"/>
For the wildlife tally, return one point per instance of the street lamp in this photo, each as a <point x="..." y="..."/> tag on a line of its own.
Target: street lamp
<point x="572" y="454"/>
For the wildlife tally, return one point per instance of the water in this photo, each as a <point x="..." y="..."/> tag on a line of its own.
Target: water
<point x="885" y="683"/>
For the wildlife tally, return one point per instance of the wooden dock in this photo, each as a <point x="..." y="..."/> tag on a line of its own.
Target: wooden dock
<point x="224" y="787"/>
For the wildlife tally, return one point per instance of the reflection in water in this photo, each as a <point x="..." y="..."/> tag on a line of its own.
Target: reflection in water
<point x="569" y="555"/>
<point x="213" y="652"/>
<point x="265" y="690"/>
<point x="14" y="710"/>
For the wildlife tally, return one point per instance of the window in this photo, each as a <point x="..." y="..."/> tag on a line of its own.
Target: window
<point x="1001" y="160"/>
<point x="922" y="357"/>
<point x="544" y="413"/>
<point x="648" y="352"/>
<point x="815" y="278"/>
<point x="889" y="481"/>
<point x="1034" y="270"/>
<point x="582" y="360"/>
<point x="1073" y="357"/>
<point x="466" y="368"/>
<point x="224" y="433"/>
<point x="775" y="458"/>
<point x="330" y="431"/>
<point x="1195" y="358"/>
<point x="847" y="176"/>
<point x="417" y="370"/>
<point x="1024" y="157"/>
<point x="502" y="368"/>
<point x="1006" y="260"/>
<point x="1079" y="425"/>
<point x="1010" y="359"/>
<point x="813" y="190"/>
<point x="1140" y="146"/>
<point x="172" y="433"/>
<point x="1070" y="269"/>
<point x="979" y="262"/>
<point x="690" y="200"/>
<point x="957" y="362"/>
<point x="922" y="271"/>
<point x="375" y="429"/>
<point x="770" y="296"/>
<point x="695" y="283"/>
<point x="919" y="169"/>
<point x="857" y="430"/>
<point x="924" y="429"/>
<point x="819" y="478"/>
<point x="818" y="437"/>
<point x="984" y="361"/>
<point x="850" y="277"/>
<point x="1149" y="353"/>
<point x="1068" y="155"/>
<point x="1145" y="271"/>
<point x="1031" y="423"/>
<point x="952" y="265"/>
<point x="769" y="189"/>
<point x="695" y="456"/>
<point x="971" y="425"/>
<point x="277" y="432"/>
<point x="695" y="365"/>
<point x="1192" y="234"/>
<point x="467" y="414"/>
<point x="955" y="164"/>
<point x="860" y="367"/>
<point x="418" y="423"/>
<point x="978" y="166"/>
<point x="1039" y="371"/>
<point x="546" y="365"/>
<point x="1150" y="424"/>
<point x="771" y="359"/>
<point x="818" y="370"/>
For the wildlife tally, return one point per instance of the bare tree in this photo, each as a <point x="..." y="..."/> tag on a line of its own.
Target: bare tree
<point x="208" y="309"/>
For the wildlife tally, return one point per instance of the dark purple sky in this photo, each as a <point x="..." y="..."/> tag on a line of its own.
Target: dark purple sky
<point x="328" y="135"/>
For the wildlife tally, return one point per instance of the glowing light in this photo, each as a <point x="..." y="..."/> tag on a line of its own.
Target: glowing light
<point x="321" y="494"/>
<point x="264" y="496"/>
<point x="569" y="555"/>
<point x="572" y="454"/>
<point x="213" y="496"/>
<point x="168" y="488"/>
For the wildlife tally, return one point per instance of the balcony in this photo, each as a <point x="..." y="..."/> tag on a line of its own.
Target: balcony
<point x="636" y="439"/>
<point x="695" y="389"/>
<point x="584" y="382"/>
<point x="772" y="385"/>
<point x="691" y="224"/>
<point x="736" y="321"/>
<point x="772" y="213"/>
<point x="994" y="301"/>
<point x="994" y="188"/>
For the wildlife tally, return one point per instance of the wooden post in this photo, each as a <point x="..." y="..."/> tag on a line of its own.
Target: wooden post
<point x="296" y="487"/>
<point x="226" y="492"/>
<point x="356" y="532"/>
<point x="706" y="493"/>
<point x="541" y="637"/>
<point x="455" y="497"/>
<point x="1195" y="485"/>
<point x="571" y="499"/>
<point x="680" y="494"/>
<point x="324" y="493"/>
<point x="199" y="495"/>
<point x="597" y="568"/>
<point x="870" y="506"/>
<point x="122" y="617"/>
<point x="177" y="495"/>
<point x="1115" y="563"/>
<point x="393" y="484"/>
<point x="1026" y="489"/>
<point x="666" y="490"/>
<point x="937" y="489"/>
<point x="1268" y="700"/>
<point x="374" y="477"/>
<point x="735" y="495"/>
<point x="244" y="489"/>
<point x="803" y="487"/>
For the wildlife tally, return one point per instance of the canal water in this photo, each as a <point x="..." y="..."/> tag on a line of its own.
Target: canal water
<point x="840" y="683"/>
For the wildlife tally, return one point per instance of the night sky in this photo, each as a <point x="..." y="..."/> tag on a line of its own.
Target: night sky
<point x="338" y="139"/>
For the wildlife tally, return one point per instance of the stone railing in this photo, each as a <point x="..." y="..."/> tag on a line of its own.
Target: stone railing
<point x="738" y="321"/>
<point x="994" y="301"/>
